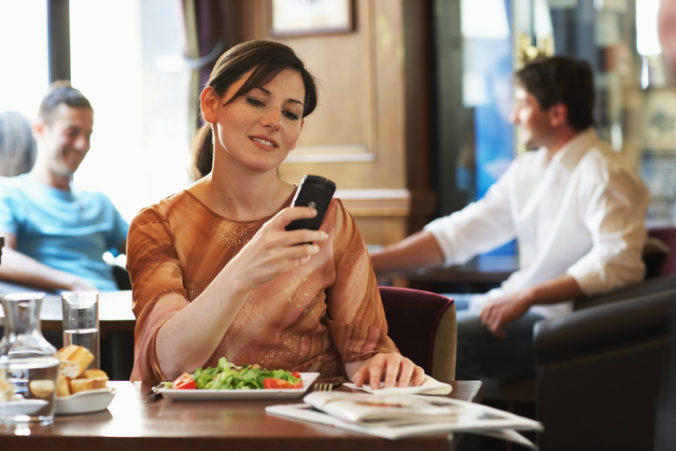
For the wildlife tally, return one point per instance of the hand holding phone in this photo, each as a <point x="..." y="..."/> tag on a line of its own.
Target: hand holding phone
<point x="316" y="192"/>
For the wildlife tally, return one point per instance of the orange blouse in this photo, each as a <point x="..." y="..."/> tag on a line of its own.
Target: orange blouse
<point x="311" y="318"/>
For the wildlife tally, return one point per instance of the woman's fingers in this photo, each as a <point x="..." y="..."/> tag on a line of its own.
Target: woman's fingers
<point x="376" y="371"/>
<point x="392" y="368"/>
<point x="274" y="250"/>
<point x="290" y="237"/>
<point x="418" y="376"/>
<point x="288" y="214"/>
<point x="406" y="373"/>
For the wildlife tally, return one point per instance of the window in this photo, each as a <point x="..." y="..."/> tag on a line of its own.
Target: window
<point x="126" y="57"/>
<point x="23" y="52"/>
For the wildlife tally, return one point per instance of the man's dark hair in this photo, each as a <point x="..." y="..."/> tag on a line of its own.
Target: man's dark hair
<point x="562" y="79"/>
<point x="61" y="92"/>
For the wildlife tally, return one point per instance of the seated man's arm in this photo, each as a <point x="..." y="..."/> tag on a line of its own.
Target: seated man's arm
<point x="420" y="250"/>
<point x="499" y="311"/>
<point x="479" y="227"/>
<point x="19" y="268"/>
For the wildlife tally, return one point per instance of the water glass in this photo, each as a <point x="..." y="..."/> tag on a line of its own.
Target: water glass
<point x="81" y="321"/>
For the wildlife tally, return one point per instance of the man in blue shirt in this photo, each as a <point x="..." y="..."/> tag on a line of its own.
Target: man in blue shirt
<point x="55" y="235"/>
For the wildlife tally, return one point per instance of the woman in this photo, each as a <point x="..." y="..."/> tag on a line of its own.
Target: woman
<point x="215" y="273"/>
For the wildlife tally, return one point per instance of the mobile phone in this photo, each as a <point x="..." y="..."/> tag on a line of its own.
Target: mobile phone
<point x="316" y="192"/>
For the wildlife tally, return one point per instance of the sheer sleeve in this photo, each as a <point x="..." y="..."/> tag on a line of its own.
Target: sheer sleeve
<point x="356" y="318"/>
<point x="155" y="271"/>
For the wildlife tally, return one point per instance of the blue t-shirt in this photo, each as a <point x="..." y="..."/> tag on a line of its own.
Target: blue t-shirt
<point x="67" y="230"/>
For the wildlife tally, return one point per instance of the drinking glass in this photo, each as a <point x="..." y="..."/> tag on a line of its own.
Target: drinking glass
<point x="81" y="321"/>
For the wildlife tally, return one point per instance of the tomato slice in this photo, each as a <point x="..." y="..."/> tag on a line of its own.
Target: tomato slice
<point x="275" y="382"/>
<point x="184" y="381"/>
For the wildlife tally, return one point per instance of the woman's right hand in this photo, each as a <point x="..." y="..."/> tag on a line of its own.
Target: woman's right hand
<point x="274" y="250"/>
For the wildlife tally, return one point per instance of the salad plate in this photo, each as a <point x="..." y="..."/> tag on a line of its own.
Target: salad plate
<point x="21" y="406"/>
<point x="85" y="401"/>
<point x="219" y="395"/>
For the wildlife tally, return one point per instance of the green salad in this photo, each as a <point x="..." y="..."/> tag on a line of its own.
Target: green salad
<point x="228" y="376"/>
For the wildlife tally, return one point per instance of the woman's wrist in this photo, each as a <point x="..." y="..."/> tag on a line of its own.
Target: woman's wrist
<point x="229" y="280"/>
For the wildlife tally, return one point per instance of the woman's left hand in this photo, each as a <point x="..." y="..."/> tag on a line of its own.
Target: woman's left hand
<point x="395" y="369"/>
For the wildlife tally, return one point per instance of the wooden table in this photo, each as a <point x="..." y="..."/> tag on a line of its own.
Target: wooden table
<point x="130" y="424"/>
<point x="478" y="275"/>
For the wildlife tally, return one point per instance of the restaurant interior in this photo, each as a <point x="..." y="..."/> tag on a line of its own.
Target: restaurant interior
<point x="412" y="124"/>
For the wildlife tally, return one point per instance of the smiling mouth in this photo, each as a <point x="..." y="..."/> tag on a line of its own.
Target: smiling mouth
<point x="265" y="142"/>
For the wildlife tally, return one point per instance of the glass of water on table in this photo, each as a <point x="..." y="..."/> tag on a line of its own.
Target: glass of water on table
<point x="81" y="321"/>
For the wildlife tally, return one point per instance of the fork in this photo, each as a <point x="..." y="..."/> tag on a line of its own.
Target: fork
<point x="323" y="386"/>
<point x="154" y="393"/>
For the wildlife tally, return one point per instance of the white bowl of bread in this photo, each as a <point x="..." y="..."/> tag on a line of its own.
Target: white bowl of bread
<point x="79" y="389"/>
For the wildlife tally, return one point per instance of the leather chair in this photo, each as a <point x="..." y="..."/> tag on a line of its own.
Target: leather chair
<point x="599" y="369"/>
<point x="659" y="256"/>
<point x="422" y="325"/>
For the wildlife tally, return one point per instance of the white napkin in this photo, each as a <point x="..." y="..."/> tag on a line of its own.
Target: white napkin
<point x="431" y="386"/>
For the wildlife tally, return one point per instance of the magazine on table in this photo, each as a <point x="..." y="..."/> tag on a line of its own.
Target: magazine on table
<point x="399" y="416"/>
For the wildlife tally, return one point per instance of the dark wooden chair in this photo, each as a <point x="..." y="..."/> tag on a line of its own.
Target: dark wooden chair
<point x="422" y="325"/>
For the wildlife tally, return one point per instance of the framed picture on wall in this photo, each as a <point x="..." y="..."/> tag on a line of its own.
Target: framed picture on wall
<point x="311" y="17"/>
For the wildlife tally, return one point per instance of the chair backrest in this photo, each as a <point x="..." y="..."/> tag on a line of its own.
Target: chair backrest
<point x="422" y="325"/>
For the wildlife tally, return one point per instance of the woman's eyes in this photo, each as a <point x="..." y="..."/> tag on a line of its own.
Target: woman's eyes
<point x="259" y="103"/>
<point x="255" y="102"/>
<point x="290" y="115"/>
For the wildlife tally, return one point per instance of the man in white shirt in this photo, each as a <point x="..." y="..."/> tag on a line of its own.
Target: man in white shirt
<point x="576" y="209"/>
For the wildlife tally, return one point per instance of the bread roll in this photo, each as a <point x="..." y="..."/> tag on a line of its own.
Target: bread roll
<point x="78" y="385"/>
<point x="6" y="390"/>
<point x="41" y="388"/>
<point x="69" y="369"/>
<point x="94" y="373"/>
<point x="62" y="385"/>
<point x="79" y="355"/>
<point x="73" y="375"/>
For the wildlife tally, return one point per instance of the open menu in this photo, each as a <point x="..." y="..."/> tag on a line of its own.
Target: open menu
<point x="399" y="416"/>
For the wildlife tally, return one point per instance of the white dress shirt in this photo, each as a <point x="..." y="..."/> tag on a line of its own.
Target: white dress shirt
<point x="581" y="213"/>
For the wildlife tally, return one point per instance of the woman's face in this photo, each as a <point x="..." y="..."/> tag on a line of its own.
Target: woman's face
<point x="257" y="130"/>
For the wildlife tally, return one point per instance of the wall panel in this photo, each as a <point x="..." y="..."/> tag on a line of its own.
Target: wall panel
<point x="369" y="117"/>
